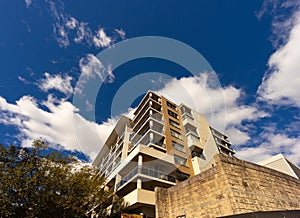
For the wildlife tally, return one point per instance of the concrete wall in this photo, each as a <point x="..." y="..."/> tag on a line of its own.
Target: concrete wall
<point x="231" y="187"/>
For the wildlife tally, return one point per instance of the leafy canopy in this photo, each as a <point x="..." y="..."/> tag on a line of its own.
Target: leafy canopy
<point x="35" y="184"/>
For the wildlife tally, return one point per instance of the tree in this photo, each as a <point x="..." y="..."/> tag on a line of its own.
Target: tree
<point x="35" y="184"/>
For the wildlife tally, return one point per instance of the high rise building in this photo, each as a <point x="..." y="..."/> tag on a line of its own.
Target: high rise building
<point x="162" y="145"/>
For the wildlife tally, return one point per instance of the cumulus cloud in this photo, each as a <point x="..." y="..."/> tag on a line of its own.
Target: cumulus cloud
<point x="101" y="40"/>
<point x="284" y="15"/>
<point x="237" y="137"/>
<point x="59" y="123"/>
<point x="221" y="106"/>
<point x="273" y="144"/>
<point x="56" y="82"/>
<point x="281" y="82"/>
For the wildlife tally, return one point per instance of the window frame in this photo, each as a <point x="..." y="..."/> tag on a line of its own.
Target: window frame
<point x="182" y="158"/>
<point x="176" y="134"/>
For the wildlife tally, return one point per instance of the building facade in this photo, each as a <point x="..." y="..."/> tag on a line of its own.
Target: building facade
<point x="162" y="145"/>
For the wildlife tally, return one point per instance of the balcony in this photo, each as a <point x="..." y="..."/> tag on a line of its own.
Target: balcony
<point x="191" y="131"/>
<point x="193" y="141"/>
<point x="188" y="119"/>
<point x="156" y="145"/>
<point x="112" y="160"/>
<point x="225" y="147"/>
<point x="140" y="196"/>
<point x="142" y="170"/>
<point x="155" y="106"/>
<point x="157" y="134"/>
<point x="158" y="122"/>
<point x="146" y="99"/>
<point x="221" y="137"/>
<point x="121" y="138"/>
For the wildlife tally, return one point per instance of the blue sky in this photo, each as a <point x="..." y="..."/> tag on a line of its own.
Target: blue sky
<point x="252" y="46"/>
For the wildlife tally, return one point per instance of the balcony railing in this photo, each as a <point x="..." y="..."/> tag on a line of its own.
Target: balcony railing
<point x="145" y="100"/>
<point x="155" y="117"/>
<point x="226" y="146"/>
<point x="150" y="142"/>
<point x="144" y="109"/>
<point x="191" y="131"/>
<point x="221" y="137"/>
<point x="141" y="137"/>
<point x="148" y="172"/>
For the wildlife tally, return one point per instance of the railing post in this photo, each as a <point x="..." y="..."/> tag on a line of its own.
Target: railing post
<point x="140" y="160"/>
<point x="139" y="184"/>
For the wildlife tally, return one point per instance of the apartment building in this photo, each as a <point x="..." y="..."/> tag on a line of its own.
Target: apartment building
<point x="162" y="145"/>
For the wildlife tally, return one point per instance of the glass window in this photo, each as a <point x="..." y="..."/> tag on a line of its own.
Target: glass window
<point x="197" y="154"/>
<point x="175" y="134"/>
<point x="173" y="123"/>
<point x="172" y="114"/>
<point x="178" y="146"/>
<point x="179" y="160"/>
<point x="173" y="106"/>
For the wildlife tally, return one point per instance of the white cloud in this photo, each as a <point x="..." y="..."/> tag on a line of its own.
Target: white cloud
<point x="254" y="154"/>
<point x="54" y="124"/>
<point x="237" y="137"/>
<point x="219" y="105"/>
<point x="281" y="80"/>
<point x="121" y="33"/>
<point x="101" y="40"/>
<point x="22" y="79"/>
<point x="71" y="23"/>
<point x="61" y="35"/>
<point x="67" y="29"/>
<point x="56" y="82"/>
<point x="280" y="85"/>
<point x="91" y="67"/>
<point x="236" y="114"/>
<point x="28" y="3"/>
<point x="273" y="144"/>
<point x="83" y="33"/>
<point x="26" y="24"/>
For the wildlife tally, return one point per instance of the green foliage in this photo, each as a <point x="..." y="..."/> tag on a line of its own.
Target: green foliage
<point x="36" y="185"/>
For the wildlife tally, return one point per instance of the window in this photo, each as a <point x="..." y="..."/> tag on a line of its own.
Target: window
<point x="179" y="160"/>
<point x="178" y="146"/>
<point x="172" y="114"/>
<point x="173" y="123"/>
<point x="173" y="106"/>
<point x="175" y="134"/>
<point x="197" y="154"/>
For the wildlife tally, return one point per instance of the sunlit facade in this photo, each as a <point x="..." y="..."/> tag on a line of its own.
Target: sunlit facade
<point x="162" y="145"/>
